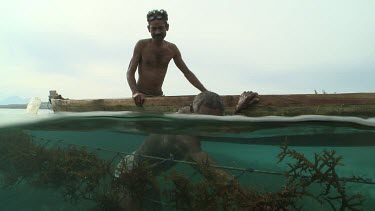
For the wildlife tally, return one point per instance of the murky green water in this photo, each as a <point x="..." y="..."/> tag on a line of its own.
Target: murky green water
<point x="236" y="142"/>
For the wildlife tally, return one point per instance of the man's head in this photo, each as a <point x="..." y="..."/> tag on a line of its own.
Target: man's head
<point x="158" y="24"/>
<point x="208" y="103"/>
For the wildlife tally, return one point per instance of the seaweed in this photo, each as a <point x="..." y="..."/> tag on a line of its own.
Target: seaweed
<point x="214" y="194"/>
<point x="18" y="157"/>
<point x="222" y="194"/>
<point x="77" y="172"/>
<point x="80" y="174"/>
<point x="322" y="170"/>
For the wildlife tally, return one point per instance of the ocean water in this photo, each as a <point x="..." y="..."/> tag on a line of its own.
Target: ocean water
<point x="245" y="148"/>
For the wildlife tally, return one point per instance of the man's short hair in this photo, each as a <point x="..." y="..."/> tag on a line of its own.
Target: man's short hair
<point x="157" y="15"/>
<point x="208" y="99"/>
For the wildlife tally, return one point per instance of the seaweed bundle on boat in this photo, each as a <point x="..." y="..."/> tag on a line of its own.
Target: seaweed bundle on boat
<point x="81" y="174"/>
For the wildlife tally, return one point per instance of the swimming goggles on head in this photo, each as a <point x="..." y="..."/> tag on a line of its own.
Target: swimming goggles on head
<point x="153" y="17"/>
<point x="157" y="14"/>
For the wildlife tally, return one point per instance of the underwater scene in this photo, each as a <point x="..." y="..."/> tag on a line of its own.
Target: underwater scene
<point x="149" y="161"/>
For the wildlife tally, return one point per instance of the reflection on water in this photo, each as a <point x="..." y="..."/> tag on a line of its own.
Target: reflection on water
<point x="68" y="162"/>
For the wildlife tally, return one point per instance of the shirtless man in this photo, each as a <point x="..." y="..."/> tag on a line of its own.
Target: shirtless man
<point x="152" y="57"/>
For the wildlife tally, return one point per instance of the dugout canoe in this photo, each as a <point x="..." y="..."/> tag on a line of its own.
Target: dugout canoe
<point x="345" y="104"/>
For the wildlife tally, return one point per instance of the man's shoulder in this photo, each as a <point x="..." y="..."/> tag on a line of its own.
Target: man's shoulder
<point x="143" y="42"/>
<point x="171" y="45"/>
<point x="139" y="46"/>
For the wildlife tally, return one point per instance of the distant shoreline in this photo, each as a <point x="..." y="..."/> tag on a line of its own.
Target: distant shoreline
<point x="44" y="105"/>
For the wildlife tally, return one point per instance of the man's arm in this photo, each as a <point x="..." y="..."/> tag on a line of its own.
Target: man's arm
<point x="195" y="154"/>
<point x="204" y="161"/>
<point x="185" y="70"/>
<point x="130" y="74"/>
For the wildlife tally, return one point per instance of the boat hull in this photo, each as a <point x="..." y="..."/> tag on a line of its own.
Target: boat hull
<point x="348" y="104"/>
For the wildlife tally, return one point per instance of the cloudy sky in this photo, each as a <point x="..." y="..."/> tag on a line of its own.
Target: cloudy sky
<point x="82" y="48"/>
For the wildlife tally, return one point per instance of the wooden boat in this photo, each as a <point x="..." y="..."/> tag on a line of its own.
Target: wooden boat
<point x="346" y="104"/>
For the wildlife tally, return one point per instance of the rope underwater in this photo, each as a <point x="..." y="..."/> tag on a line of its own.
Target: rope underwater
<point x="171" y="159"/>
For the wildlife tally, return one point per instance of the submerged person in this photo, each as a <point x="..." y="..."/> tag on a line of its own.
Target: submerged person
<point x="151" y="57"/>
<point x="185" y="147"/>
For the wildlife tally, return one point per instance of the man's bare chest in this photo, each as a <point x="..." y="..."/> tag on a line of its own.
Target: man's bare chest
<point x="156" y="56"/>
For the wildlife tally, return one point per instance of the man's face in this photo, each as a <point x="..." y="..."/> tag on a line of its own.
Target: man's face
<point x="158" y="29"/>
<point x="209" y="111"/>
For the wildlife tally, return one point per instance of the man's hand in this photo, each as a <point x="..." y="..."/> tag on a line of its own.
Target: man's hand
<point x="246" y="100"/>
<point x="139" y="99"/>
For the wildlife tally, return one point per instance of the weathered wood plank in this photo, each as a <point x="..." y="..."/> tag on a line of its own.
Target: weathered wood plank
<point x="349" y="104"/>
